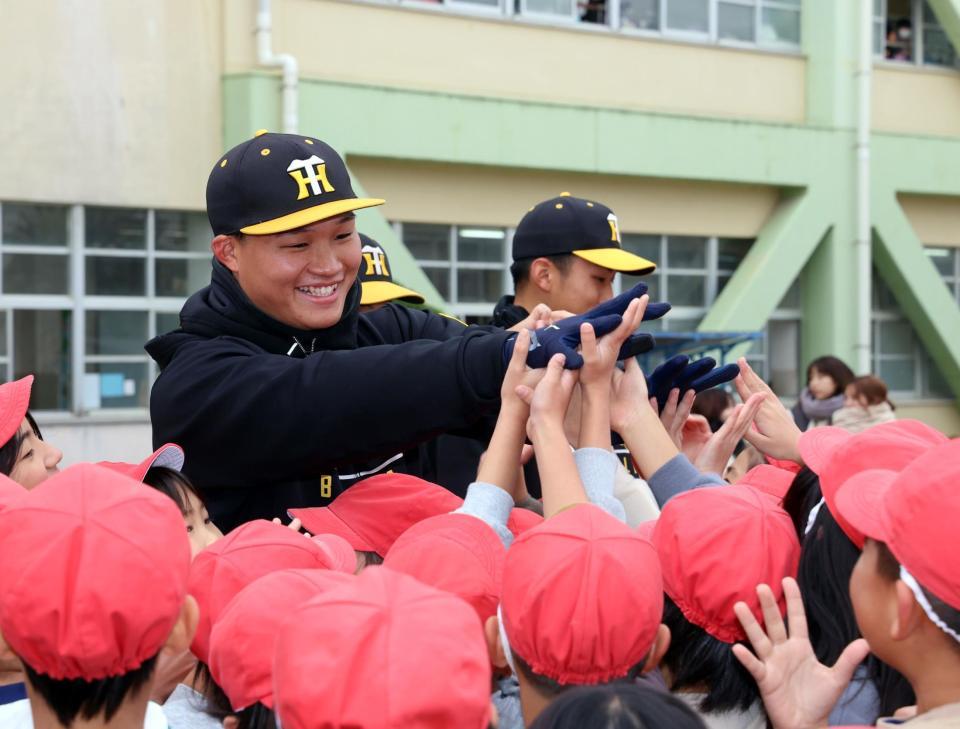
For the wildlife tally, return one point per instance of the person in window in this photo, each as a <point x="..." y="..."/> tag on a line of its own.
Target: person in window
<point x="899" y="40"/>
<point x="278" y="389"/>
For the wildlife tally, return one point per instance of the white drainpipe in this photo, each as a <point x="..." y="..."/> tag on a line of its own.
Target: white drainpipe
<point x="288" y="63"/>
<point x="863" y="229"/>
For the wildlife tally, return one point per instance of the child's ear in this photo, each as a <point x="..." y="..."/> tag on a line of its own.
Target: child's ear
<point x="661" y="643"/>
<point x="182" y="634"/>
<point x="910" y="615"/>
<point x="491" y="630"/>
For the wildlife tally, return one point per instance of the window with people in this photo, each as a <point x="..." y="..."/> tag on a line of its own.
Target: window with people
<point x="908" y="31"/>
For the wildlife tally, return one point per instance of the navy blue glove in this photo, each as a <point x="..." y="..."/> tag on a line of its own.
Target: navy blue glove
<point x="637" y="343"/>
<point x="678" y="372"/>
<point x="561" y="338"/>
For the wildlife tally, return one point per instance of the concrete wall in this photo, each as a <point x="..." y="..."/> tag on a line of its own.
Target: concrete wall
<point x="910" y="100"/>
<point x="111" y="102"/>
<point x="435" y="50"/>
<point x="934" y="218"/>
<point x="96" y="439"/>
<point x="497" y="196"/>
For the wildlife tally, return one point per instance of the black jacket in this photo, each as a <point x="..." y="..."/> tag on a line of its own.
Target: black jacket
<point x="270" y="416"/>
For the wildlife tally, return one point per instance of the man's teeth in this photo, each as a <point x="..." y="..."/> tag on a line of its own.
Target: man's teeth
<point x="319" y="290"/>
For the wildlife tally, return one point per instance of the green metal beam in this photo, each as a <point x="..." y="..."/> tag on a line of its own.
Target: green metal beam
<point x="948" y="14"/>
<point x="918" y="288"/>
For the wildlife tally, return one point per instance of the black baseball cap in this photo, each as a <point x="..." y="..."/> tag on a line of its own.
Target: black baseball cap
<point x="376" y="282"/>
<point x="278" y="182"/>
<point x="587" y="229"/>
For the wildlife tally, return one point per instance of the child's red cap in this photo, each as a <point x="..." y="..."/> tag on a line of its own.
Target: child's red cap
<point x="770" y="480"/>
<point x="522" y="519"/>
<point x="242" y="639"/>
<point x="915" y="512"/>
<point x="582" y="597"/>
<point x="169" y="456"/>
<point x="384" y="652"/>
<point x="373" y="513"/>
<point x="836" y="455"/>
<point x="228" y="565"/>
<point x="716" y="545"/>
<point x="340" y="555"/>
<point x="93" y="575"/>
<point x="14" y="403"/>
<point x="458" y="553"/>
<point x="10" y="491"/>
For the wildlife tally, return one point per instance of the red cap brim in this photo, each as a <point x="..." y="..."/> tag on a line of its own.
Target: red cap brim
<point x="14" y="403"/>
<point x="342" y="556"/>
<point x="860" y="501"/>
<point x="169" y="455"/>
<point x="818" y="445"/>
<point x="321" y="520"/>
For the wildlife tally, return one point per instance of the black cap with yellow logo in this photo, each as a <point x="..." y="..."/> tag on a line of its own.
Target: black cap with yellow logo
<point x="278" y="182"/>
<point x="587" y="229"/>
<point x="376" y="280"/>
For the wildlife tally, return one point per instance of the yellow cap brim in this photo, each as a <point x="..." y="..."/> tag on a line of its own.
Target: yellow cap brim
<point x="311" y="215"/>
<point x="380" y="292"/>
<point x="617" y="259"/>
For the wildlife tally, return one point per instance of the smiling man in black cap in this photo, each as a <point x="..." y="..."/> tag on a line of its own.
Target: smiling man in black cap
<point x="280" y="393"/>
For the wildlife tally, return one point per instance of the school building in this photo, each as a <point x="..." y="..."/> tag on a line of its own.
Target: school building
<point x="791" y="166"/>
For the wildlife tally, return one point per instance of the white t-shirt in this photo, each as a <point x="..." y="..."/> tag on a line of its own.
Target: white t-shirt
<point x="18" y="716"/>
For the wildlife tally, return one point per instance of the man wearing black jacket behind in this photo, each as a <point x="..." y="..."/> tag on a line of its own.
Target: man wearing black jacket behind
<point x="280" y="393"/>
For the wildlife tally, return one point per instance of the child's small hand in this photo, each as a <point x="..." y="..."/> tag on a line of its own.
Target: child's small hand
<point x="548" y="402"/>
<point x="518" y="374"/>
<point x="600" y="356"/>
<point x="628" y="395"/>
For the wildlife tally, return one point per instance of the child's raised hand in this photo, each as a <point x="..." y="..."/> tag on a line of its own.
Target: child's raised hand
<point x="716" y="452"/>
<point x="518" y="374"/>
<point x="776" y="433"/>
<point x="548" y="402"/>
<point x="675" y="413"/>
<point x="600" y="356"/>
<point x="628" y="395"/>
<point x="798" y="691"/>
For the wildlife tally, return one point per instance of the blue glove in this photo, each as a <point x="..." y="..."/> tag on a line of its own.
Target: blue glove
<point x="678" y="372"/>
<point x="561" y="338"/>
<point x="660" y="381"/>
<point x="637" y="343"/>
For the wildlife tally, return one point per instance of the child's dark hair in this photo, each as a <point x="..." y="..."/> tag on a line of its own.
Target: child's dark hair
<point x="10" y="450"/>
<point x="697" y="660"/>
<point x="711" y="404"/>
<point x="834" y="368"/>
<point x="371" y="559"/>
<point x="617" y="706"/>
<point x="520" y="270"/>
<point x="174" y="484"/>
<point x="871" y="388"/>
<point x="827" y="558"/>
<point x="75" y="698"/>
<point x="549" y="688"/>
<point x="256" y="716"/>
<point x="802" y="496"/>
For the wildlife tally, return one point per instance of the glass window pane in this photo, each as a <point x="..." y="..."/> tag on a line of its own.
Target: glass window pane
<point x="551" y="7"/>
<point x="3" y="340"/>
<point x="182" y="231"/>
<point x="41" y="343"/>
<point x="687" y="290"/>
<point x="735" y="22"/>
<point x="647" y="246"/>
<point x="167" y="322"/>
<point x="652" y="281"/>
<point x="780" y="26"/>
<point x="883" y="298"/>
<point x="937" y="48"/>
<point x="427" y="242"/>
<point x="928" y="15"/>
<point x="25" y="273"/>
<point x="784" y="354"/>
<point x="119" y="385"/>
<point x="481" y="244"/>
<point x="682" y="324"/>
<point x="479" y="286"/>
<point x="643" y="14"/>
<point x="34" y="225"/>
<point x="731" y="251"/>
<point x="896" y="337"/>
<point x="440" y="278"/>
<point x="878" y="38"/>
<point x="942" y="258"/>
<point x="722" y="282"/>
<point x="116" y="276"/>
<point x="690" y="15"/>
<point x="116" y="228"/>
<point x="686" y="252"/>
<point x="898" y="374"/>
<point x="181" y="276"/>
<point x="936" y="383"/>
<point x="116" y="332"/>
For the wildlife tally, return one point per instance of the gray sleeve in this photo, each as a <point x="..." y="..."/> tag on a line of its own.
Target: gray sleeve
<point x="597" y="468"/>
<point x="678" y="475"/>
<point x="859" y="704"/>
<point x="490" y="504"/>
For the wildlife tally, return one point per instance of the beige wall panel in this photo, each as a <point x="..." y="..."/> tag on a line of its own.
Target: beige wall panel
<point x="915" y="100"/>
<point x="441" y="51"/>
<point x="429" y="192"/>
<point x="112" y="101"/>
<point x="943" y="416"/>
<point x="935" y="219"/>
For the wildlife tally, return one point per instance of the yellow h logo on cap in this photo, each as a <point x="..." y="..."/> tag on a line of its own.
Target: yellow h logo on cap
<point x="310" y="172"/>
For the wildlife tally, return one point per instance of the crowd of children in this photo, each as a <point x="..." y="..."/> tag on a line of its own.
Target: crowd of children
<point x="757" y="570"/>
